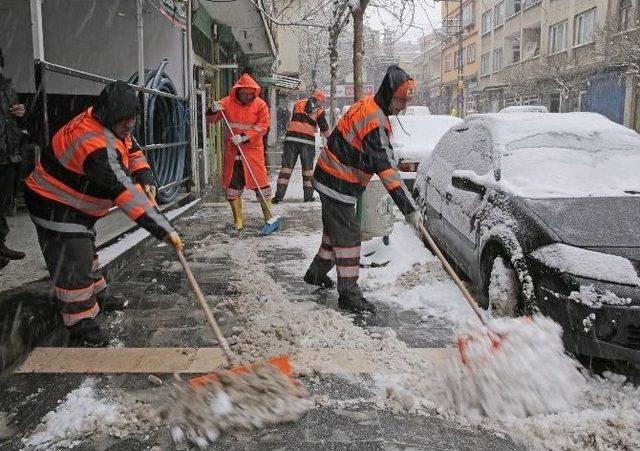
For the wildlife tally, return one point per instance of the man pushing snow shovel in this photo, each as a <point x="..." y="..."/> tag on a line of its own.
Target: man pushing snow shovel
<point x="357" y="148"/>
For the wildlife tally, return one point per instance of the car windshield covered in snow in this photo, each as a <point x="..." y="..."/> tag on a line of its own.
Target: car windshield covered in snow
<point x="565" y="155"/>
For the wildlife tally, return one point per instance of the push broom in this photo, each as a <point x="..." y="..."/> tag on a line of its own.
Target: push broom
<point x="273" y="223"/>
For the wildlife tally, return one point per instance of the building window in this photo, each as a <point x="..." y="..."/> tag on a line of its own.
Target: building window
<point x="456" y="59"/>
<point x="529" y="3"/>
<point x="486" y="22"/>
<point x="558" y="37"/>
<point x="484" y="65"/>
<point x="515" y="51"/>
<point x="467" y="14"/>
<point x="584" y="27"/>
<point x="498" y="15"/>
<point x="497" y="60"/>
<point x="471" y="53"/>
<point x="448" y="65"/>
<point x="624" y="15"/>
<point x="512" y="7"/>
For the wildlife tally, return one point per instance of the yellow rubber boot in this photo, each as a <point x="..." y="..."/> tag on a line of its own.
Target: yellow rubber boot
<point x="238" y="218"/>
<point x="266" y="209"/>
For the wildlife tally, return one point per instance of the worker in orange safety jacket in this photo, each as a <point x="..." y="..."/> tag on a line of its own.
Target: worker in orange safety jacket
<point x="90" y="165"/>
<point x="248" y="117"/>
<point x="300" y="139"/>
<point x="358" y="148"/>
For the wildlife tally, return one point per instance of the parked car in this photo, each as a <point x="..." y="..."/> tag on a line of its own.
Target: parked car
<point x="525" y="109"/>
<point x="414" y="137"/>
<point x="540" y="211"/>
<point x="416" y="110"/>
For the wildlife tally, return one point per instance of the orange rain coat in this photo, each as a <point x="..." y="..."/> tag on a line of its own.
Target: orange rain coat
<point x="253" y="121"/>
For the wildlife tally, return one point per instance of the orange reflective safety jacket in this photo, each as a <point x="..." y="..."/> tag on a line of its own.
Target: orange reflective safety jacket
<point x="358" y="148"/>
<point x="83" y="173"/>
<point x="306" y="117"/>
<point x="251" y="121"/>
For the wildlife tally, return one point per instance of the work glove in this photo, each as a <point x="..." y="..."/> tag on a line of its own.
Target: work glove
<point x="238" y="139"/>
<point x="414" y="219"/>
<point x="216" y="106"/>
<point x="18" y="110"/>
<point x="150" y="191"/>
<point x="174" y="239"/>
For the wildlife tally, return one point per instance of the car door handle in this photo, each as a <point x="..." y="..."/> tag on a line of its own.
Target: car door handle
<point x="448" y="196"/>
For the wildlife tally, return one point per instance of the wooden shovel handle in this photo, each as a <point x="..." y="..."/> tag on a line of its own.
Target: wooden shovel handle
<point x="465" y="292"/>
<point x="231" y="358"/>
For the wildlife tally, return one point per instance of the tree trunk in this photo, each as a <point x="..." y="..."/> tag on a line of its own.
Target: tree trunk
<point x="333" y="71"/>
<point x="358" y="50"/>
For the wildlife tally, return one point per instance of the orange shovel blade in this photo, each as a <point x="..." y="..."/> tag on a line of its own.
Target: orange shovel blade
<point x="281" y="362"/>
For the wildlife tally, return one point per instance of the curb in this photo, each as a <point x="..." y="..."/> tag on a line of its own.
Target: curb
<point x="28" y="314"/>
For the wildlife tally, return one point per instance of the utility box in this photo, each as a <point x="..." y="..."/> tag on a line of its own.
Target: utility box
<point x="375" y="211"/>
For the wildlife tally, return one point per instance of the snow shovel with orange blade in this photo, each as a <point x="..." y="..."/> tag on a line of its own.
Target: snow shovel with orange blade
<point x="282" y="363"/>
<point x="463" y="340"/>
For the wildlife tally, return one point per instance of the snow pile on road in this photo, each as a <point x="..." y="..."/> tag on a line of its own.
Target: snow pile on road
<point x="518" y="368"/>
<point x="606" y="417"/>
<point x="82" y="413"/>
<point x="586" y="263"/>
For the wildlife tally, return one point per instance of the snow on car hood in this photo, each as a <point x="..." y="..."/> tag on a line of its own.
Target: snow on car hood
<point x="414" y="137"/>
<point x="582" y="262"/>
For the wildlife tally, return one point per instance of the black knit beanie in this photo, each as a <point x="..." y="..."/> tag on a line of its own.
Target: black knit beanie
<point x="116" y="102"/>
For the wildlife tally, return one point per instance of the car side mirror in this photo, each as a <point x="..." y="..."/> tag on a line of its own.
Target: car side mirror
<point x="468" y="181"/>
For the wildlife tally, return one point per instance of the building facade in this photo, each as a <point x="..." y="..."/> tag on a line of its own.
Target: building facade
<point x="459" y="59"/>
<point x="540" y="52"/>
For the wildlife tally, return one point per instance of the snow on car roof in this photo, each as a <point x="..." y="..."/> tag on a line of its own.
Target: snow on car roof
<point x="414" y="137"/>
<point x="564" y="154"/>
<point x="518" y="130"/>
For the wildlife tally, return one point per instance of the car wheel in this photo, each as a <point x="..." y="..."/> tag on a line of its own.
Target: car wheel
<point x="504" y="291"/>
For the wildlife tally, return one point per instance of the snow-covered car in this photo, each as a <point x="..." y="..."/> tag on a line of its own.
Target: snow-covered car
<point x="414" y="137"/>
<point x="416" y="110"/>
<point x="541" y="212"/>
<point x="525" y="109"/>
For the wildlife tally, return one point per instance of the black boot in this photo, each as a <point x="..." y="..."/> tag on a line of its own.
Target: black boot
<point x="10" y="253"/>
<point x="322" y="281"/>
<point x="109" y="303"/>
<point x="355" y="303"/>
<point x="87" y="332"/>
<point x="4" y="262"/>
<point x="279" y="196"/>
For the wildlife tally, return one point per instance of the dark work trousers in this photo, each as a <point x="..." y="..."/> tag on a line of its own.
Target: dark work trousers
<point x="236" y="186"/>
<point x="289" y="158"/>
<point x="340" y="246"/>
<point x="8" y="173"/>
<point x="73" y="266"/>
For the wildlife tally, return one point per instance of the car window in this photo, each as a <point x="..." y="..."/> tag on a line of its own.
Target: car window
<point x="463" y="147"/>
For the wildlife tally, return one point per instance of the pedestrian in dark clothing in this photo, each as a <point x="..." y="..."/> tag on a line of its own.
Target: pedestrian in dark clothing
<point x="10" y="111"/>
<point x="357" y="148"/>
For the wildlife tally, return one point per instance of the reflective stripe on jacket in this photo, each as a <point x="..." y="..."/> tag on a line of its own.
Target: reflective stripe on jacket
<point x="306" y="117"/>
<point x="358" y="148"/>
<point x="86" y="169"/>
